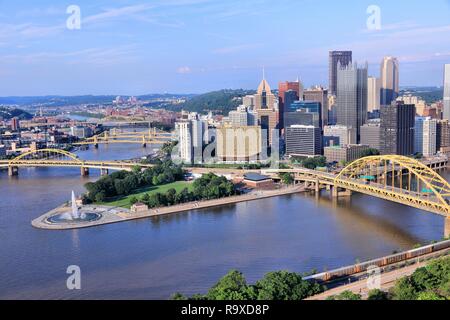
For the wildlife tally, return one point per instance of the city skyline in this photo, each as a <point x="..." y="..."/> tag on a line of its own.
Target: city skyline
<point x="129" y="47"/>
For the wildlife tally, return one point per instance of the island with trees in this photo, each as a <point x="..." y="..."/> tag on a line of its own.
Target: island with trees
<point x="160" y="186"/>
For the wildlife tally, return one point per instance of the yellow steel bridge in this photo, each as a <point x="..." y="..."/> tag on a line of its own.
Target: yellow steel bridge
<point x="61" y="158"/>
<point x="395" y="178"/>
<point x="115" y="136"/>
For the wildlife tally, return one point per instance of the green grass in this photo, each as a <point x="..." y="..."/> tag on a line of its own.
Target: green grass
<point x="124" y="201"/>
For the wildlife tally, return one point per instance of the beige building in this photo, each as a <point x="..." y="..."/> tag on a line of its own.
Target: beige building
<point x="266" y="108"/>
<point x="420" y="104"/>
<point x="239" y="144"/>
<point x="347" y="153"/>
<point x="345" y="134"/>
<point x="389" y="81"/>
<point x="373" y="94"/>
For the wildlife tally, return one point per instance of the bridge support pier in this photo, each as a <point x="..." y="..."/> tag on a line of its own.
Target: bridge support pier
<point x="13" y="171"/>
<point x="84" y="171"/>
<point x="104" y="172"/>
<point x="447" y="227"/>
<point x="335" y="193"/>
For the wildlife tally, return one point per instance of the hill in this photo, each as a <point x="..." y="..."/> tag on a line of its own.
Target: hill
<point x="8" y="113"/>
<point x="219" y="102"/>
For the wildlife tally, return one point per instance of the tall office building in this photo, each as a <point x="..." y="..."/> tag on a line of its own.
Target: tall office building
<point x="192" y="135"/>
<point x="283" y="100"/>
<point x="389" y="80"/>
<point x="397" y="129"/>
<point x="15" y="124"/>
<point x="425" y="136"/>
<point x="373" y="94"/>
<point x="447" y="92"/>
<point x="443" y="136"/>
<point x="352" y="97"/>
<point x="344" y="135"/>
<point x="371" y="134"/>
<point x="303" y="140"/>
<point x="342" y="58"/>
<point x="421" y="105"/>
<point x="267" y="110"/>
<point x="319" y="94"/>
<point x="308" y="106"/>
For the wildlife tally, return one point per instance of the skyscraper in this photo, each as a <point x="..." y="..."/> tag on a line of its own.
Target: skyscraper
<point x="373" y="94"/>
<point x="397" y="129"/>
<point x="344" y="58"/>
<point x="425" y="136"/>
<point x="266" y="110"/>
<point x="352" y="97"/>
<point x="290" y="88"/>
<point x="320" y="95"/>
<point x="447" y="92"/>
<point x="389" y="80"/>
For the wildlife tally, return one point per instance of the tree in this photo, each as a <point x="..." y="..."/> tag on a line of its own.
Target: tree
<point x="346" y="295"/>
<point x="429" y="295"/>
<point x="370" y="152"/>
<point x="170" y="196"/>
<point x="287" y="178"/>
<point x="377" y="294"/>
<point x="284" y="285"/>
<point x="178" y="296"/>
<point x="100" y="197"/>
<point x="232" y="286"/>
<point x="133" y="200"/>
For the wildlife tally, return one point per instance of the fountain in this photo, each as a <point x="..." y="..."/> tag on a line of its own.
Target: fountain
<point x="75" y="215"/>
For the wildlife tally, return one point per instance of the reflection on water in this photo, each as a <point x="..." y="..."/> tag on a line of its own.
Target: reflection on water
<point x="187" y="252"/>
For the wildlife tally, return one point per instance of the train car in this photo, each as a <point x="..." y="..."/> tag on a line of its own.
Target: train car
<point x="381" y="262"/>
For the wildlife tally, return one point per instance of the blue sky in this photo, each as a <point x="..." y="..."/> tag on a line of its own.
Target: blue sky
<point x="192" y="46"/>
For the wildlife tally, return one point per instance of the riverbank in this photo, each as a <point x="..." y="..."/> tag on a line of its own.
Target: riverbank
<point x="111" y="215"/>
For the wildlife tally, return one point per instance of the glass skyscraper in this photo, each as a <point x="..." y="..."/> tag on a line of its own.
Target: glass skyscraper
<point x="352" y="97"/>
<point x="447" y="92"/>
<point x="336" y="58"/>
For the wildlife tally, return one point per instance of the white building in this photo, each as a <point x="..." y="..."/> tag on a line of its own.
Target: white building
<point x="345" y="134"/>
<point x="425" y="136"/>
<point x="373" y="94"/>
<point x="242" y="117"/>
<point x="447" y="92"/>
<point x="192" y="136"/>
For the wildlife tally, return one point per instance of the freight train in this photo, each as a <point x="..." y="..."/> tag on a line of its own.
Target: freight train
<point x="381" y="262"/>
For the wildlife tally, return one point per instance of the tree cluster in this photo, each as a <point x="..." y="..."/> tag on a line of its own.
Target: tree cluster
<point x="208" y="187"/>
<point x="281" y="285"/>
<point x="123" y="183"/>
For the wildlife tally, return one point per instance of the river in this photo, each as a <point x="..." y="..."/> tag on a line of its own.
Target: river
<point x="189" y="252"/>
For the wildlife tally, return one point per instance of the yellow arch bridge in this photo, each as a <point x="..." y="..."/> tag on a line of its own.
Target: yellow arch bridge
<point x="61" y="158"/>
<point x="395" y="178"/>
<point x="115" y="136"/>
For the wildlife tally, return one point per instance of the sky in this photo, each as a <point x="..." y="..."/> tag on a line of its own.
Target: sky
<point x="132" y="47"/>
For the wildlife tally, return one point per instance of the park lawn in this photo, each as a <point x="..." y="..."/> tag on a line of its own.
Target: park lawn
<point x="124" y="201"/>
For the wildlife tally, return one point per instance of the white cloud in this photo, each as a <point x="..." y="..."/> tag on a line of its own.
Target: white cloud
<point x="184" y="70"/>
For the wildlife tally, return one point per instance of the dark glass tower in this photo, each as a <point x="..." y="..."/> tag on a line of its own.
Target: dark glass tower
<point x="344" y="58"/>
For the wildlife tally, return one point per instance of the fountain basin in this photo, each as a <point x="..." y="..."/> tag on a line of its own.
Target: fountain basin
<point x="65" y="218"/>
